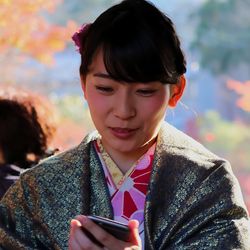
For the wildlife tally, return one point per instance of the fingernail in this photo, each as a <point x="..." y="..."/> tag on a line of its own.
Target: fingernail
<point x="83" y="219"/>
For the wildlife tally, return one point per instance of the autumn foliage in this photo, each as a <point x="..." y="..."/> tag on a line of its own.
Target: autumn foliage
<point x="243" y="89"/>
<point x="24" y="29"/>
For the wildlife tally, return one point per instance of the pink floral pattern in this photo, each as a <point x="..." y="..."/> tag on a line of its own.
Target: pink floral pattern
<point x="128" y="200"/>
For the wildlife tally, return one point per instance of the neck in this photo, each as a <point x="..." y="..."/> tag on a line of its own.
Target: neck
<point x="125" y="160"/>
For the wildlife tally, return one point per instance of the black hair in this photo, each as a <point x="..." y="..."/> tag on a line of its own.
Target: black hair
<point x="24" y="131"/>
<point x="139" y="44"/>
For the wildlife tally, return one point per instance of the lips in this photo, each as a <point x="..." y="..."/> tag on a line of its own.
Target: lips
<point x="123" y="133"/>
<point x="122" y="130"/>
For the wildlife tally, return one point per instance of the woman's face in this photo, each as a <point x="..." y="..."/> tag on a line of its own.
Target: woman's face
<point x="128" y="116"/>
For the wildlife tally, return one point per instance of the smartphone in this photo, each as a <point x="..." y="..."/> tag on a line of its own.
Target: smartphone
<point x="118" y="230"/>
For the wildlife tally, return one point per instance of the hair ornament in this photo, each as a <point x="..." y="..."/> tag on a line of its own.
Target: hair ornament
<point x="79" y="36"/>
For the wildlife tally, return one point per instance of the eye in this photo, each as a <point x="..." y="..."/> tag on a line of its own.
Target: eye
<point x="103" y="89"/>
<point x="146" y="92"/>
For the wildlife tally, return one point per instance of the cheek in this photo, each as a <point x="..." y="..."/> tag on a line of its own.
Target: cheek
<point x="156" y="107"/>
<point x="97" y="109"/>
<point x="95" y="103"/>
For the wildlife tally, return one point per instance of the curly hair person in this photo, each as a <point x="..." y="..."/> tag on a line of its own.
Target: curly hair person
<point x="26" y="128"/>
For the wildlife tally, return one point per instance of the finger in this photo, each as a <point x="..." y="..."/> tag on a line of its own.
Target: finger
<point x="73" y="243"/>
<point x="78" y="239"/>
<point x="74" y="225"/>
<point x="100" y="234"/>
<point x="134" y="232"/>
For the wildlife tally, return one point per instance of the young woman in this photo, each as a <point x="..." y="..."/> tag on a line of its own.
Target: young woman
<point x="137" y="169"/>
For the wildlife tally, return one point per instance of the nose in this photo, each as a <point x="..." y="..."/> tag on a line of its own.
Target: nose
<point x="124" y="107"/>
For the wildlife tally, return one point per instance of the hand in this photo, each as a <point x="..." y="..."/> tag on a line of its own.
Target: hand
<point x="79" y="241"/>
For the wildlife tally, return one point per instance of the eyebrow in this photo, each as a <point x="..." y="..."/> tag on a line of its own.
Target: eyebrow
<point x="103" y="75"/>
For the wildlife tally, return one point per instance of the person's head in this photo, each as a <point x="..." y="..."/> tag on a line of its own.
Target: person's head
<point x="132" y="68"/>
<point x="26" y="127"/>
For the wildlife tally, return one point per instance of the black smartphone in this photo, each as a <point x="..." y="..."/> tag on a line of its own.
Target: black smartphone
<point x="118" y="230"/>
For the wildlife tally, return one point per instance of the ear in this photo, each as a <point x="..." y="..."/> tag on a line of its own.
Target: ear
<point x="83" y="85"/>
<point x="176" y="91"/>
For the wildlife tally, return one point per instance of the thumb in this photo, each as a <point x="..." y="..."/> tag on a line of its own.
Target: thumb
<point x="74" y="225"/>
<point x="134" y="232"/>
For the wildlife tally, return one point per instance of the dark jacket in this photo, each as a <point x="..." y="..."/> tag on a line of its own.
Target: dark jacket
<point x="193" y="202"/>
<point x="8" y="175"/>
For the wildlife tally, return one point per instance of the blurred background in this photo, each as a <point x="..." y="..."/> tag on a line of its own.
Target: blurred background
<point x="36" y="53"/>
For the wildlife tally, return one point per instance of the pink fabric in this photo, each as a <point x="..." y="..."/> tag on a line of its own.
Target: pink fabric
<point x="128" y="201"/>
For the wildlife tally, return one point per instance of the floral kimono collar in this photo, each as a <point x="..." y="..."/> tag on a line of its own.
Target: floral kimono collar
<point x="127" y="191"/>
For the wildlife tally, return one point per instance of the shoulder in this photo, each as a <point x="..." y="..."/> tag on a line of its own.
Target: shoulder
<point x="194" y="181"/>
<point x="174" y="142"/>
<point x="183" y="161"/>
<point x="65" y="165"/>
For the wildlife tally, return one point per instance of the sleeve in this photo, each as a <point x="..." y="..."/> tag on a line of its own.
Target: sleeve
<point x="19" y="226"/>
<point x="215" y="216"/>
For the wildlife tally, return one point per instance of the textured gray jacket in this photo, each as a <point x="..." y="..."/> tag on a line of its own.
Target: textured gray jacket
<point x="193" y="202"/>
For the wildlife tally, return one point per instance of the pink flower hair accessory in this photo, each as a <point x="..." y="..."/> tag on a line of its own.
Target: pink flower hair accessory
<point x="80" y="35"/>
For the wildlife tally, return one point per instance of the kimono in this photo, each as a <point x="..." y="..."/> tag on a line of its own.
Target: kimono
<point x="193" y="200"/>
<point x="127" y="190"/>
